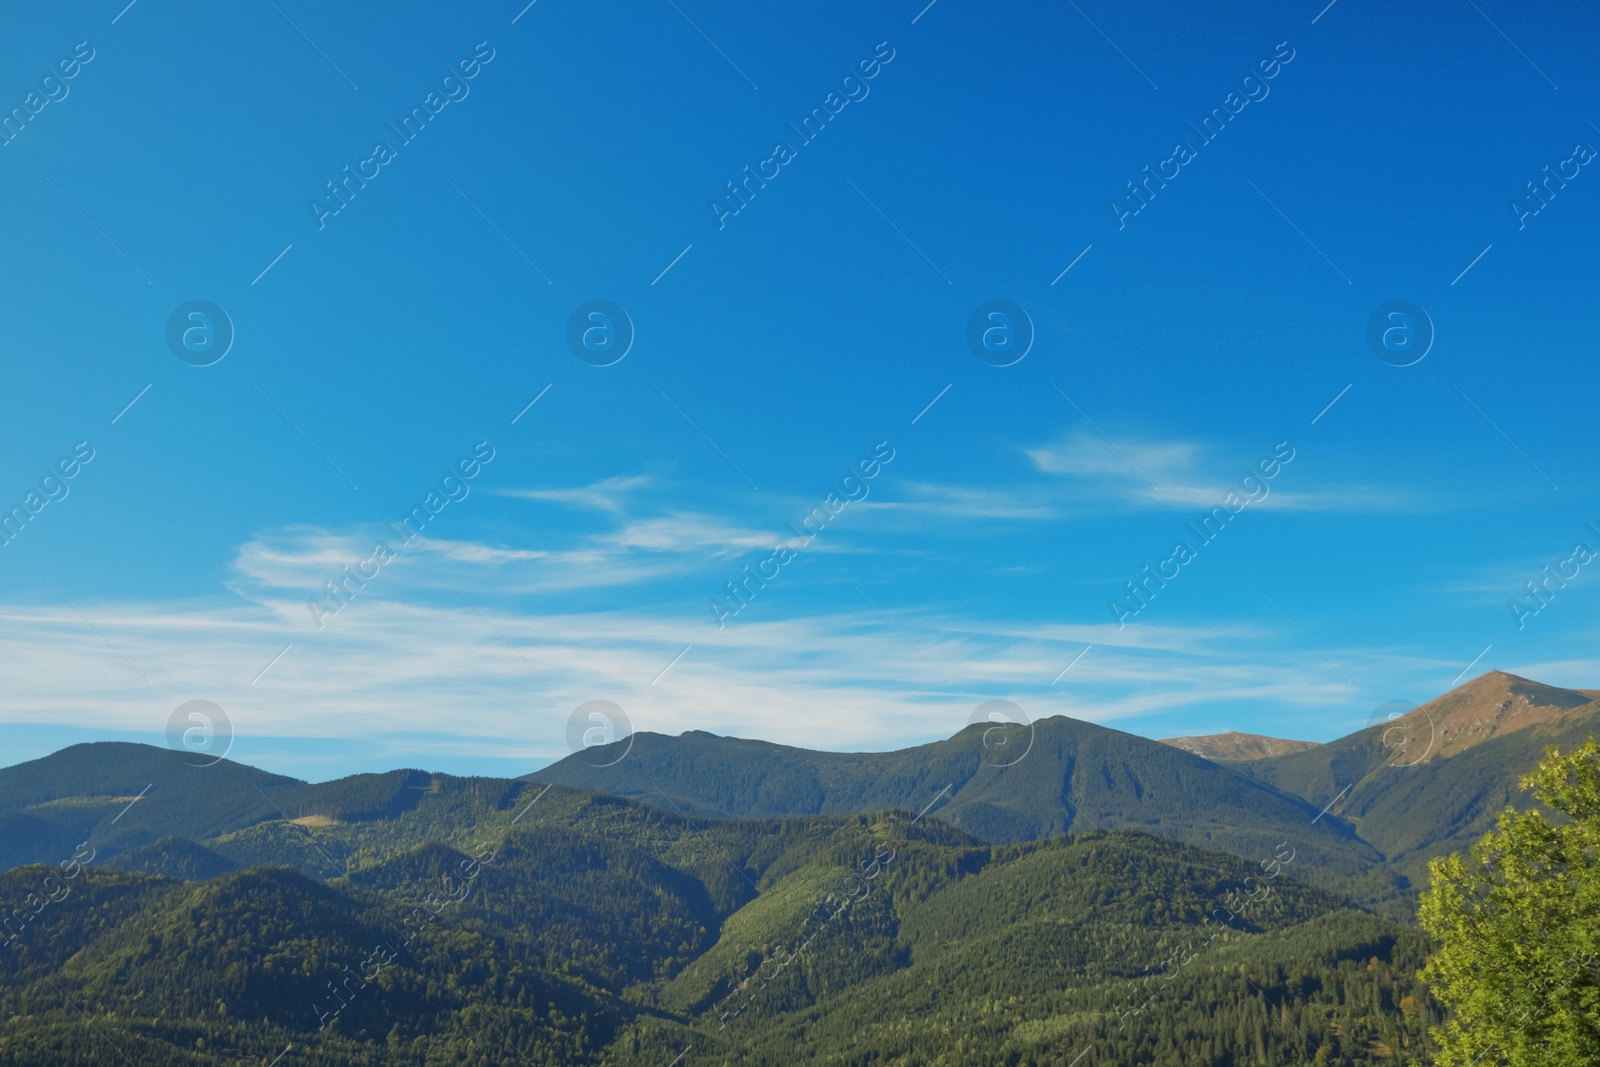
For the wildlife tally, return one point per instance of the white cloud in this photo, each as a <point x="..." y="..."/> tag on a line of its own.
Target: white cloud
<point x="406" y="657"/>
<point x="1088" y="475"/>
<point x="607" y="495"/>
<point x="918" y="499"/>
<point x="636" y="552"/>
<point x="687" y="532"/>
<point x="1187" y="474"/>
<point x="506" y="681"/>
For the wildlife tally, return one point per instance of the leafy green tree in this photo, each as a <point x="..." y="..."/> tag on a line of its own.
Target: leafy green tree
<point x="1518" y="926"/>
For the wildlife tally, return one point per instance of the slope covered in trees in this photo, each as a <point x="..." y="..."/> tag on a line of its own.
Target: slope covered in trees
<point x="895" y="908"/>
<point x="573" y="928"/>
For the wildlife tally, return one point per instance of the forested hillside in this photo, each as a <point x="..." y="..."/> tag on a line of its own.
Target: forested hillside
<point x="1428" y="782"/>
<point x="741" y="902"/>
<point x="598" y="931"/>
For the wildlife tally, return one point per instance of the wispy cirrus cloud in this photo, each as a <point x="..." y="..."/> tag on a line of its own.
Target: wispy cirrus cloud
<point x="445" y="637"/>
<point x="608" y="494"/>
<point x="1021" y="503"/>
<point x="688" y="533"/>
<point x="632" y="552"/>
<point x="1086" y="476"/>
<point x="398" y="662"/>
<point x="1182" y="474"/>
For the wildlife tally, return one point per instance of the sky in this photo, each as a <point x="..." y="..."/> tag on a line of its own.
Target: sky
<point x="1195" y="223"/>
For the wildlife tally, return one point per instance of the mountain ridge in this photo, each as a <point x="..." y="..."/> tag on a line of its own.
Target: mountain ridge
<point x="617" y="914"/>
<point x="1375" y="804"/>
<point x="1233" y="746"/>
<point x="1003" y="784"/>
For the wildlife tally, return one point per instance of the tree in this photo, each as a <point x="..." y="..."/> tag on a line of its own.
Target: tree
<point x="1518" y="927"/>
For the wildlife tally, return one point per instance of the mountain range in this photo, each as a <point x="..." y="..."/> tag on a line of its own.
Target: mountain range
<point x="1016" y="893"/>
<point x="1384" y="799"/>
<point x="1377" y="803"/>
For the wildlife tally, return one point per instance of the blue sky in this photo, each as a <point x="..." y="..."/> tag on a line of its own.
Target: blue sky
<point x="773" y="349"/>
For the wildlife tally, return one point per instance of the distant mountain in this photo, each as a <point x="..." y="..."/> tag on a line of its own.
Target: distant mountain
<point x="1000" y="784"/>
<point x="108" y="791"/>
<point x="125" y="797"/>
<point x="113" y="769"/>
<point x="1364" y="810"/>
<point x="636" y="901"/>
<point x="1494" y="705"/>
<point x="1234" y="747"/>
<point x="1430" y="781"/>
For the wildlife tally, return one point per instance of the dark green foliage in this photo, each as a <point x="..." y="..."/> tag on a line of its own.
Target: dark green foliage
<point x="573" y="903"/>
<point x="359" y="798"/>
<point x="32" y="838"/>
<point x="1075" y="777"/>
<point x="596" y="931"/>
<point x="175" y="858"/>
<point x="87" y="907"/>
<point x="249" y="962"/>
<point x="1047" y="950"/>
<point x="86" y="791"/>
<point x="491" y="922"/>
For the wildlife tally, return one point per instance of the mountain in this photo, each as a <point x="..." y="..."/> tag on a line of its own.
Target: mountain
<point x="579" y="929"/>
<point x="174" y="857"/>
<point x="1001" y="784"/>
<point x="1431" y="780"/>
<point x="1496" y="704"/>
<point x="969" y="969"/>
<point x="1012" y="894"/>
<point x="106" y="790"/>
<point x="130" y="798"/>
<point x="1368" y="810"/>
<point x="1235" y="747"/>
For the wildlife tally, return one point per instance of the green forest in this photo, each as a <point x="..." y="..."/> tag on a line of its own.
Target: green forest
<point x="227" y="916"/>
<point x="618" y="936"/>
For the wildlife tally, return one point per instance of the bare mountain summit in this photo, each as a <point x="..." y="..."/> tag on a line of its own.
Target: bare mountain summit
<point x="1237" y="747"/>
<point x="1493" y="705"/>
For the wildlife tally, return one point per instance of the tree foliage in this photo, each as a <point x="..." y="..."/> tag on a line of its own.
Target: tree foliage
<point x="1518" y="925"/>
